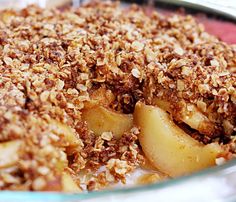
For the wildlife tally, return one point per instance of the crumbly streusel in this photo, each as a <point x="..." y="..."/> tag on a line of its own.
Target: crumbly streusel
<point x="53" y="63"/>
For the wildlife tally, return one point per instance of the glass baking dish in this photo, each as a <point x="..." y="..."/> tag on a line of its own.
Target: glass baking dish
<point x="213" y="184"/>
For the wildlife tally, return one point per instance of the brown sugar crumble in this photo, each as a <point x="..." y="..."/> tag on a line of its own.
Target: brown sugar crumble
<point x="54" y="63"/>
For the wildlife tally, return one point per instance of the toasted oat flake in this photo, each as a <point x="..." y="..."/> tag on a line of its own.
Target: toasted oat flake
<point x="202" y="106"/>
<point x="8" y="60"/>
<point x="135" y="130"/>
<point x="44" y="96"/>
<point x="43" y="170"/>
<point x="233" y="98"/>
<point x="136" y="73"/>
<point x="150" y="55"/>
<point x="224" y="73"/>
<point x="120" y="167"/>
<point x="179" y="50"/>
<point x="60" y="84"/>
<point x="186" y="70"/>
<point x="220" y="161"/>
<point x="180" y="85"/>
<point x="39" y="183"/>
<point x="107" y="136"/>
<point x="81" y="87"/>
<point x="214" y="63"/>
<point x="137" y="46"/>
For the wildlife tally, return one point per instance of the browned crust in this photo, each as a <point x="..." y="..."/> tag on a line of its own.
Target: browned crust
<point x="53" y="63"/>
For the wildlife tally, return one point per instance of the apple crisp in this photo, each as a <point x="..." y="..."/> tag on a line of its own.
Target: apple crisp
<point x="70" y="81"/>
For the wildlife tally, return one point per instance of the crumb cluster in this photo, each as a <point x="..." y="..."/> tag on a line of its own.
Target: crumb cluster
<point x="54" y="63"/>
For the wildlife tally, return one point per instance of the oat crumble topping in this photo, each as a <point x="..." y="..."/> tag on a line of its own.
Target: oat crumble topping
<point x="53" y="64"/>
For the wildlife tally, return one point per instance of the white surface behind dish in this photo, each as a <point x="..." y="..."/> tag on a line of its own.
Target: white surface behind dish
<point x="218" y="188"/>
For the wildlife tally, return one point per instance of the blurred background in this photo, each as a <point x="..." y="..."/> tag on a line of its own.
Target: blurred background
<point x="211" y="8"/>
<point x="227" y="5"/>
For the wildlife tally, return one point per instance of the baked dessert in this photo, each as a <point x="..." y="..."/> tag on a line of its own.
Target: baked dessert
<point x="87" y="95"/>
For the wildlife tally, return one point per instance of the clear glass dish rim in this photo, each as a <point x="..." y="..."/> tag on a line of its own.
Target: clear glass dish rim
<point x="59" y="196"/>
<point x="22" y="195"/>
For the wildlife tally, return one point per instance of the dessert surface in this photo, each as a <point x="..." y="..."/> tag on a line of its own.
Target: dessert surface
<point x="60" y="68"/>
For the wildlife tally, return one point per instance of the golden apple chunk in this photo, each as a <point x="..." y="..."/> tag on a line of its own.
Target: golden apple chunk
<point x="168" y="147"/>
<point x="190" y="115"/>
<point x="100" y="119"/>
<point x="68" y="184"/>
<point x="9" y="153"/>
<point x="65" y="132"/>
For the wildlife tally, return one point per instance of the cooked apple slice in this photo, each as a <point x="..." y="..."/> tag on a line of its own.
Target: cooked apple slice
<point x="168" y="147"/>
<point x="190" y="115"/>
<point x="65" y="132"/>
<point x="9" y="153"/>
<point x="197" y="120"/>
<point x="68" y="184"/>
<point x="100" y="119"/>
<point x="163" y="104"/>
